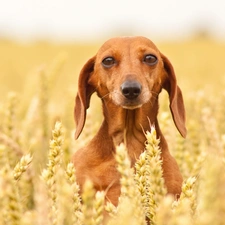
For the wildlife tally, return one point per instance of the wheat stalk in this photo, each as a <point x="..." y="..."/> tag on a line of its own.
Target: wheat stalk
<point x="51" y="175"/>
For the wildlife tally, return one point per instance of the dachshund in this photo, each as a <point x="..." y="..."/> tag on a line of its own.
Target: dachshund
<point x="127" y="73"/>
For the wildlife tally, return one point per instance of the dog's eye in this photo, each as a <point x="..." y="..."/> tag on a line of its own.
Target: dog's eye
<point x="108" y="62"/>
<point x="150" y="60"/>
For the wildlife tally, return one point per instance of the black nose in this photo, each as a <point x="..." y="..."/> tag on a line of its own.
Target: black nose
<point x="131" y="89"/>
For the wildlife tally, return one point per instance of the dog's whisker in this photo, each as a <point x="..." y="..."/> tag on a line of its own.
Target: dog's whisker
<point x="105" y="95"/>
<point x="149" y="101"/>
<point x="154" y="93"/>
<point x="154" y="97"/>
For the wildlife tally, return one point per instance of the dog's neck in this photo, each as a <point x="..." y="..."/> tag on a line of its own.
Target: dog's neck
<point x="129" y="126"/>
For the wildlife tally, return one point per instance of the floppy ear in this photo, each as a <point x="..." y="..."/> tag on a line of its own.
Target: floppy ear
<point x="85" y="90"/>
<point x="175" y="96"/>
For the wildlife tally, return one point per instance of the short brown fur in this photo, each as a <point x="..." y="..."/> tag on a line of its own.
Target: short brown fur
<point x="125" y="120"/>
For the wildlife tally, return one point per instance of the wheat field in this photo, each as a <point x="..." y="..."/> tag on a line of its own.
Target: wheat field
<point x="38" y="84"/>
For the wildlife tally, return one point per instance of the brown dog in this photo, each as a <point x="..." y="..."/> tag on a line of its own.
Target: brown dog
<point x="127" y="73"/>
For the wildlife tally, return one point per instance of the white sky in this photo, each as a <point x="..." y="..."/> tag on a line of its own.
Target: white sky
<point x="90" y="19"/>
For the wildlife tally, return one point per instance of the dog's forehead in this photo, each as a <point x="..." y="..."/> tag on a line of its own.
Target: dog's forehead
<point x="127" y="42"/>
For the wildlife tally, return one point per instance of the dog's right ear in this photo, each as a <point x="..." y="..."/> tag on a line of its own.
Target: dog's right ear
<point x="85" y="90"/>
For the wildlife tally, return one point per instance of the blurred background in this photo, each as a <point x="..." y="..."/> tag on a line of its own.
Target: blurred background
<point x="87" y="20"/>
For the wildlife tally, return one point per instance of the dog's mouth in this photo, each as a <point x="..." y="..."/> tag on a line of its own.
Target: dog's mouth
<point x="129" y="104"/>
<point x="131" y="107"/>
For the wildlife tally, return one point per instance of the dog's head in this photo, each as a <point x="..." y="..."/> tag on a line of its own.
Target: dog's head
<point x="130" y="71"/>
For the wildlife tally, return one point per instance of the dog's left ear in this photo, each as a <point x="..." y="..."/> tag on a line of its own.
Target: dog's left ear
<point x="175" y="95"/>
<point x="85" y="90"/>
